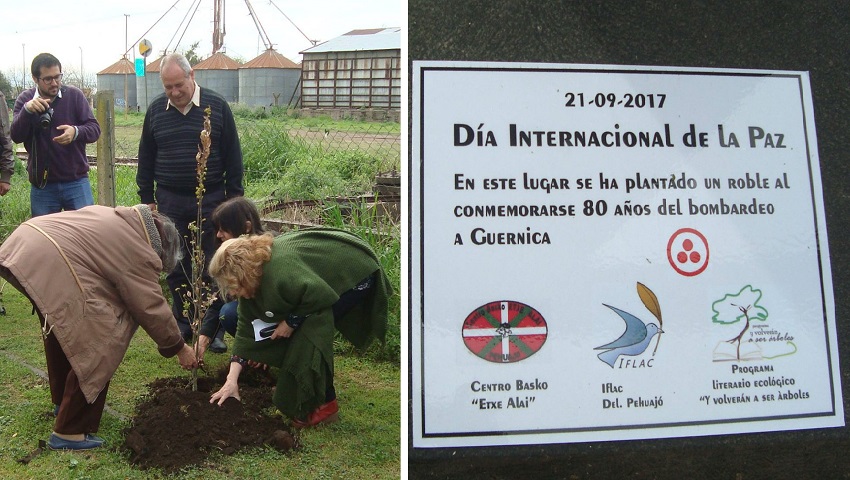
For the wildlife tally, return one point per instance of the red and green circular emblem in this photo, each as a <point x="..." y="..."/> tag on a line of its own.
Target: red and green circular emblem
<point x="504" y="331"/>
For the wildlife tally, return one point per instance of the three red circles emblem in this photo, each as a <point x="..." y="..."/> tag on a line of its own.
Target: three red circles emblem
<point x="687" y="252"/>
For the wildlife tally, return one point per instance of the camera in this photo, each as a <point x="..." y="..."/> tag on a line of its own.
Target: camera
<point x="45" y="118"/>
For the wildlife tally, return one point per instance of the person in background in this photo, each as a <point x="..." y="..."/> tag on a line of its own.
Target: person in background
<point x="55" y="122"/>
<point x="166" y="174"/>
<point x="7" y="154"/>
<point x="294" y="292"/>
<point x="92" y="276"/>
<point x="235" y="217"/>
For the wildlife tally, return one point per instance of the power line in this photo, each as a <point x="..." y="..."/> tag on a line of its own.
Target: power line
<point x="314" y="42"/>
<point x="265" y="37"/>
<point x="148" y="30"/>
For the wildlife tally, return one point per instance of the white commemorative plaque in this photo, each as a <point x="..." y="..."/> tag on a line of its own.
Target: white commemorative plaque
<point x="604" y="253"/>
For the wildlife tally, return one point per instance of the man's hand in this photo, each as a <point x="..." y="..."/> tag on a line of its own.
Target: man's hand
<point x="37" y="105"/>
<point x="186" y="358"/>
<point x="4" y="188"/>
<point x="68" y="134"/>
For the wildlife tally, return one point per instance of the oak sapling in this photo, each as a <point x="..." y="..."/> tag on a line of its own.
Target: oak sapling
<point x="199" y="296"/>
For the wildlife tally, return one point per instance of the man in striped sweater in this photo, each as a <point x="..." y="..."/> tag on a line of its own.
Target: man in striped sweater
<point x="167" y="173"/>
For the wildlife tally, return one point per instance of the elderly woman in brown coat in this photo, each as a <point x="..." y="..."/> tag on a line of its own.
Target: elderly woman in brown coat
<point x="93" y="277"/>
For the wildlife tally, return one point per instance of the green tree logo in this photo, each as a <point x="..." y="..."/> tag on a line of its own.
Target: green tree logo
<point x="735" y="308"/>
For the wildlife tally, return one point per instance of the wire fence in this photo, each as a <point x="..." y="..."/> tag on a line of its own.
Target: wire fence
<point x="298" y="165"/>
<point x="272" y="137"/>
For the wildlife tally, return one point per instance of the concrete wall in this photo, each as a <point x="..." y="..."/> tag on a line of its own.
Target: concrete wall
<point x="365" y="114"/>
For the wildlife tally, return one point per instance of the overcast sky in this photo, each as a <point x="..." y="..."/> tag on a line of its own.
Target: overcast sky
<point x="97" y="33"/>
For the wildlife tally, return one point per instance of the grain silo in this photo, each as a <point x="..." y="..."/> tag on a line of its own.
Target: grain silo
<point x="120" y="77"/>
<point x="149" y="86"/>
<point x="269" y="80"/>
<point x="219" y="73"/>
<point x="361" y="69"/>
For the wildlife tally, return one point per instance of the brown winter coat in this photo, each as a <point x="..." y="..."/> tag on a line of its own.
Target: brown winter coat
<point x="94" y="276"/>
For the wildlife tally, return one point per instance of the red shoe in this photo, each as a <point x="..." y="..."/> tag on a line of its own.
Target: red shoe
<point x="327" y="413"/>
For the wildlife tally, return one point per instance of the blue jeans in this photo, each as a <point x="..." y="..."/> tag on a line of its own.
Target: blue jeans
<point x="227" y="315"/>
<point x="58" y="196"/>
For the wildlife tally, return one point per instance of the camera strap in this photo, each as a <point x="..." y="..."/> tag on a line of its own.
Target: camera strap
<point x="37" y="166"/>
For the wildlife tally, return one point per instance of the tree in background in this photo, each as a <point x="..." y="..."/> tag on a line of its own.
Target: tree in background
<point x="6" y="88"/>
<point x="191" y="54"/>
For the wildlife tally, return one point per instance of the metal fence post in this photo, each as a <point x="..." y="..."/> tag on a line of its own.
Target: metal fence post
<point x="105" y="101"/>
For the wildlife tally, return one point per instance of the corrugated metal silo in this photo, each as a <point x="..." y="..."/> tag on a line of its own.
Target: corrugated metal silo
<point x="219" y="73"/>
<point x="270" y="79"/>
<point x="120" y="77"/>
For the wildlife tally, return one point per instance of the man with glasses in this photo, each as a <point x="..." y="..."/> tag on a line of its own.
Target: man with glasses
<point x="55" y="122"/>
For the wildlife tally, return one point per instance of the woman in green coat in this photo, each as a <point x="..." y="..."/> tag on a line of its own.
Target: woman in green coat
<point x="294" y="291"/>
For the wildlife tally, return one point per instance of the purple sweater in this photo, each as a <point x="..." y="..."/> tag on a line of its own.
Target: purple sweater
<point x="7" y="160"/>
<point x="66" y="162"/>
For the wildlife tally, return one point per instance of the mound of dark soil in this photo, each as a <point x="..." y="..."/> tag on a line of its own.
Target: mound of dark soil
<point x="175" y="427"/>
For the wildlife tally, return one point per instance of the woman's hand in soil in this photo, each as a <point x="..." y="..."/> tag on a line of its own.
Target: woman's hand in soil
<point x="229" y="389"/>
<point x="186" y="357"/>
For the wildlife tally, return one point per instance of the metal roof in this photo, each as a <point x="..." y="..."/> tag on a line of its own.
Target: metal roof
<point x="218" y="61"/>
<point x="121" y="67"/>
<point x="363" y="39"/>
<point x="270" y="59"/>
<point x="153" y="65"/>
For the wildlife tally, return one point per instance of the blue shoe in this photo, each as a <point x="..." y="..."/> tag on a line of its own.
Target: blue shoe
<point x="91" y="441"/>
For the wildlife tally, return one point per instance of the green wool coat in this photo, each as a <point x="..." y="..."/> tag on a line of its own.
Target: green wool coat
<point x="308" y="271"/>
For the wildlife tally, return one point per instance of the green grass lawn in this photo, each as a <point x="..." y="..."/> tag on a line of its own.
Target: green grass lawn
<point x="365" y="443"/>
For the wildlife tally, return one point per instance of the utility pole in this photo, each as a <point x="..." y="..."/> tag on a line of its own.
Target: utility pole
<point x="126" y="18"/>
<point x="218" y="25"/>
<point x="126" y="100"/>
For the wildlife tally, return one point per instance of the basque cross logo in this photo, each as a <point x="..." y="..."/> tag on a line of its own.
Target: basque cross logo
<point x="504" y="331"/>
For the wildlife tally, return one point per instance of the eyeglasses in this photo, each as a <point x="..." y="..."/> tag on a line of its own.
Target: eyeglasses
<point x="56" y="78"/>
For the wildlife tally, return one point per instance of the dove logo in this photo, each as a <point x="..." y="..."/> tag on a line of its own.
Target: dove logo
<point x="637" y="336"/>
<point x="504" y="331"/>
